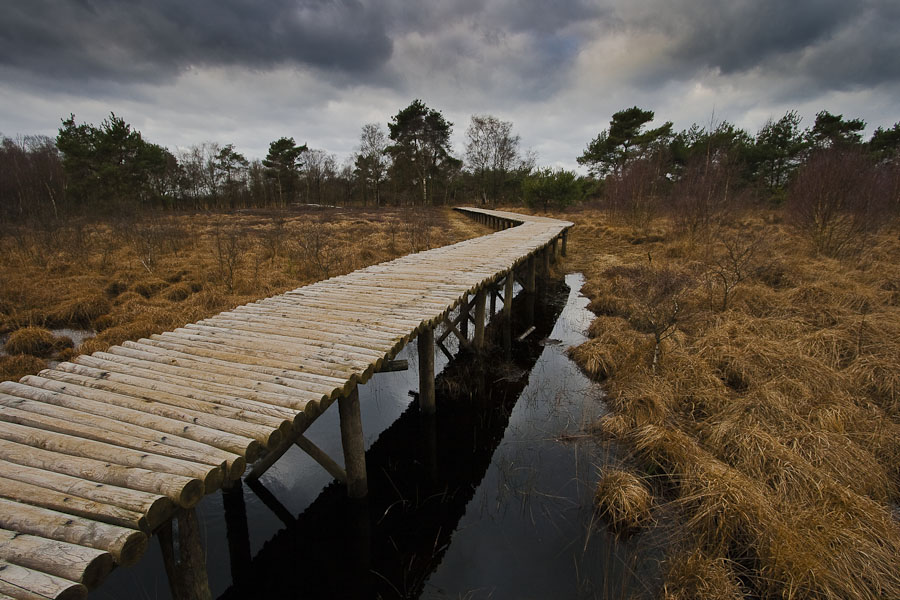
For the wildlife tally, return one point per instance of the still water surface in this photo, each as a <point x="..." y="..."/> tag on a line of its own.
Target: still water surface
<point x="490" y="499"/>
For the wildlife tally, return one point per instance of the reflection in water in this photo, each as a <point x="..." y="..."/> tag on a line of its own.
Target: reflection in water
<point x="423" y="472"/>
<point x="482" y="500"/>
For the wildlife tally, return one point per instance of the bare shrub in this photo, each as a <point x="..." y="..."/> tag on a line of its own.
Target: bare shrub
<point x="417" y="223"/>
<point x="655" y="293"/>
<point x="635" y="195"/>
<point x="734" y="258"/>
<point x="229" y="253"/>
<point x="835" y="201"/>
<point x="313" y="247"/>
<point x="272" y="238"/>
<point x="704" y="195"/>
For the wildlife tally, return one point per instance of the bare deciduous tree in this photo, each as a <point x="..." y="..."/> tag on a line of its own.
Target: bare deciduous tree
<point x="492" y="153"/>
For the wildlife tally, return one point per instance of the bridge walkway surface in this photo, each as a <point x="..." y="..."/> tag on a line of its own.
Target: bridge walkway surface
<point x="98" y="454"/>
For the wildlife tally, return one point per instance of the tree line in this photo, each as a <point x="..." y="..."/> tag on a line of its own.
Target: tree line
<point x="110" y="166"/>
<point x="833" y="185"/>
<point x="633" y="168"/>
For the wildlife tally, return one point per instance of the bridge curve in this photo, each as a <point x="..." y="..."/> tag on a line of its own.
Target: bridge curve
<point x="99" y="453"/>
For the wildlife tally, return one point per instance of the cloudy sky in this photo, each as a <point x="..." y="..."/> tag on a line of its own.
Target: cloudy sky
<point x="248" y="72"/>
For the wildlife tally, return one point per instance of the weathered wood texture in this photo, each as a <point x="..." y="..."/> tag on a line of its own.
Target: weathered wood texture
<point x="97" y="453"/>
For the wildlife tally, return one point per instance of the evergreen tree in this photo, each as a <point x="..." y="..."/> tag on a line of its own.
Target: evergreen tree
<point x="624" y="141"/>
<point x="421" y="149"/>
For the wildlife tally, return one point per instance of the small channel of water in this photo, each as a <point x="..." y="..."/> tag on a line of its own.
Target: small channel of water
<point x="491" y="499"/>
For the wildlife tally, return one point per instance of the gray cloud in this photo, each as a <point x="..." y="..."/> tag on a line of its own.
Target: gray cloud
<point x="187" y="71"/>
<point x="155" y="40"/>
<point x="822" y="44"/>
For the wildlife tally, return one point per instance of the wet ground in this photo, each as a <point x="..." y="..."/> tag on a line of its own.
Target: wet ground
<point x="491" y="498"/>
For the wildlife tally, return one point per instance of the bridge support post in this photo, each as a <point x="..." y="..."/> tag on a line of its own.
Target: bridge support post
<point x="237" y="532"/>
<point x="188" y="579"/>
<point x="553" y="245"/>
<point x="464" y="314"/>
<point x="531" y="274"/>
<point x="508" y="293"/>
<point x="479" y="319"/>
<point x="354" y="445"/>
<point x="565" y="238"/>
<point x="546" y="257"/>
<point x="425" y="345"/>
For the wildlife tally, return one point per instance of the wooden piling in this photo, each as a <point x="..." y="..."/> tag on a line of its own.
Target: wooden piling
<point x="354" y="445"/>
<point x="565" y="237"/>
<point x="188" y="579"/>
<point x="464" y="308"/>
<point x="508" y="293"/>
<point x="480" y="302"/>
<point x="425" y="345"/>
<point x="531" y="273"/>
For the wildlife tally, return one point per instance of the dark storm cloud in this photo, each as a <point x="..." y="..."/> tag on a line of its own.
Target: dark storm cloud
<point x="829" y="44"/>
<point x="136" y="40"/>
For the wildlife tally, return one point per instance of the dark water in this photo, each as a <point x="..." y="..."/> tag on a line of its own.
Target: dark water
<point x="491" y="498"/>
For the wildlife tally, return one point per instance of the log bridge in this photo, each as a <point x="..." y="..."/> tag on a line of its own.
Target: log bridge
<point x="98" y="454"/>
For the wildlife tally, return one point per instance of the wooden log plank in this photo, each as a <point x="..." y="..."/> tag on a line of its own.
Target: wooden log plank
<point x="248" y="360"/>
<point x="290" y="345"/>
<point x="336" y="314"/>
<point x="100" y="426"/>
<point x="271" y="400"/>
<point x="16" y="580"/>
<point x="125" y="545"/>
<point x="183" y="490"/>
<point x="374" y="292"/>
<point x="140" y="395"/>
<point x="27" y="493"/>
<point x="71" y="445"/>
<point x="394" y="304"/>
<point x="222" y="399"/>
<point x="128" y="410"/>
<point x="197" y="347"/>
<point x="340" y="345"/>
<point x="355" y="330"/>
<point x="234" y="346"/>
<point x="153" y="354"/>
<point x="80" y="564"/>
<point x="155" y="507"/>
<point x="345" y="309"/>
<point x="317" y="334"/>
<point x="314" y="341"/>
<point x="9" y="413"/>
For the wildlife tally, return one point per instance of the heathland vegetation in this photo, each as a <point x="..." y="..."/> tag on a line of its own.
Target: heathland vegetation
<point x="747" y="295"/>
<point x="746" y="287"/>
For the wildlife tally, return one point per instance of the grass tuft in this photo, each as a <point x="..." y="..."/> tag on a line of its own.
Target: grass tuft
<point x="622" y="500"/>
<point x="15" y="366"/>
<point x="36" y="341"/>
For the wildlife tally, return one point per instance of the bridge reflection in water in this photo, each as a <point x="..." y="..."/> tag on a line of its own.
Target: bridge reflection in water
<point x="423" y="471"/>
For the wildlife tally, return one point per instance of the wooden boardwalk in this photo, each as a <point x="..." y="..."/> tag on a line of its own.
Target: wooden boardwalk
<point x="98" y="454"/>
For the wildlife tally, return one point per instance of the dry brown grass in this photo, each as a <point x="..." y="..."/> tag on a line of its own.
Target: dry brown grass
<point x="36" y="341"/>
<point x="772" y="427"/>
<point x="126" y="280"/>
<point x="622" y="500"/>
<point x="16" y="366"/>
